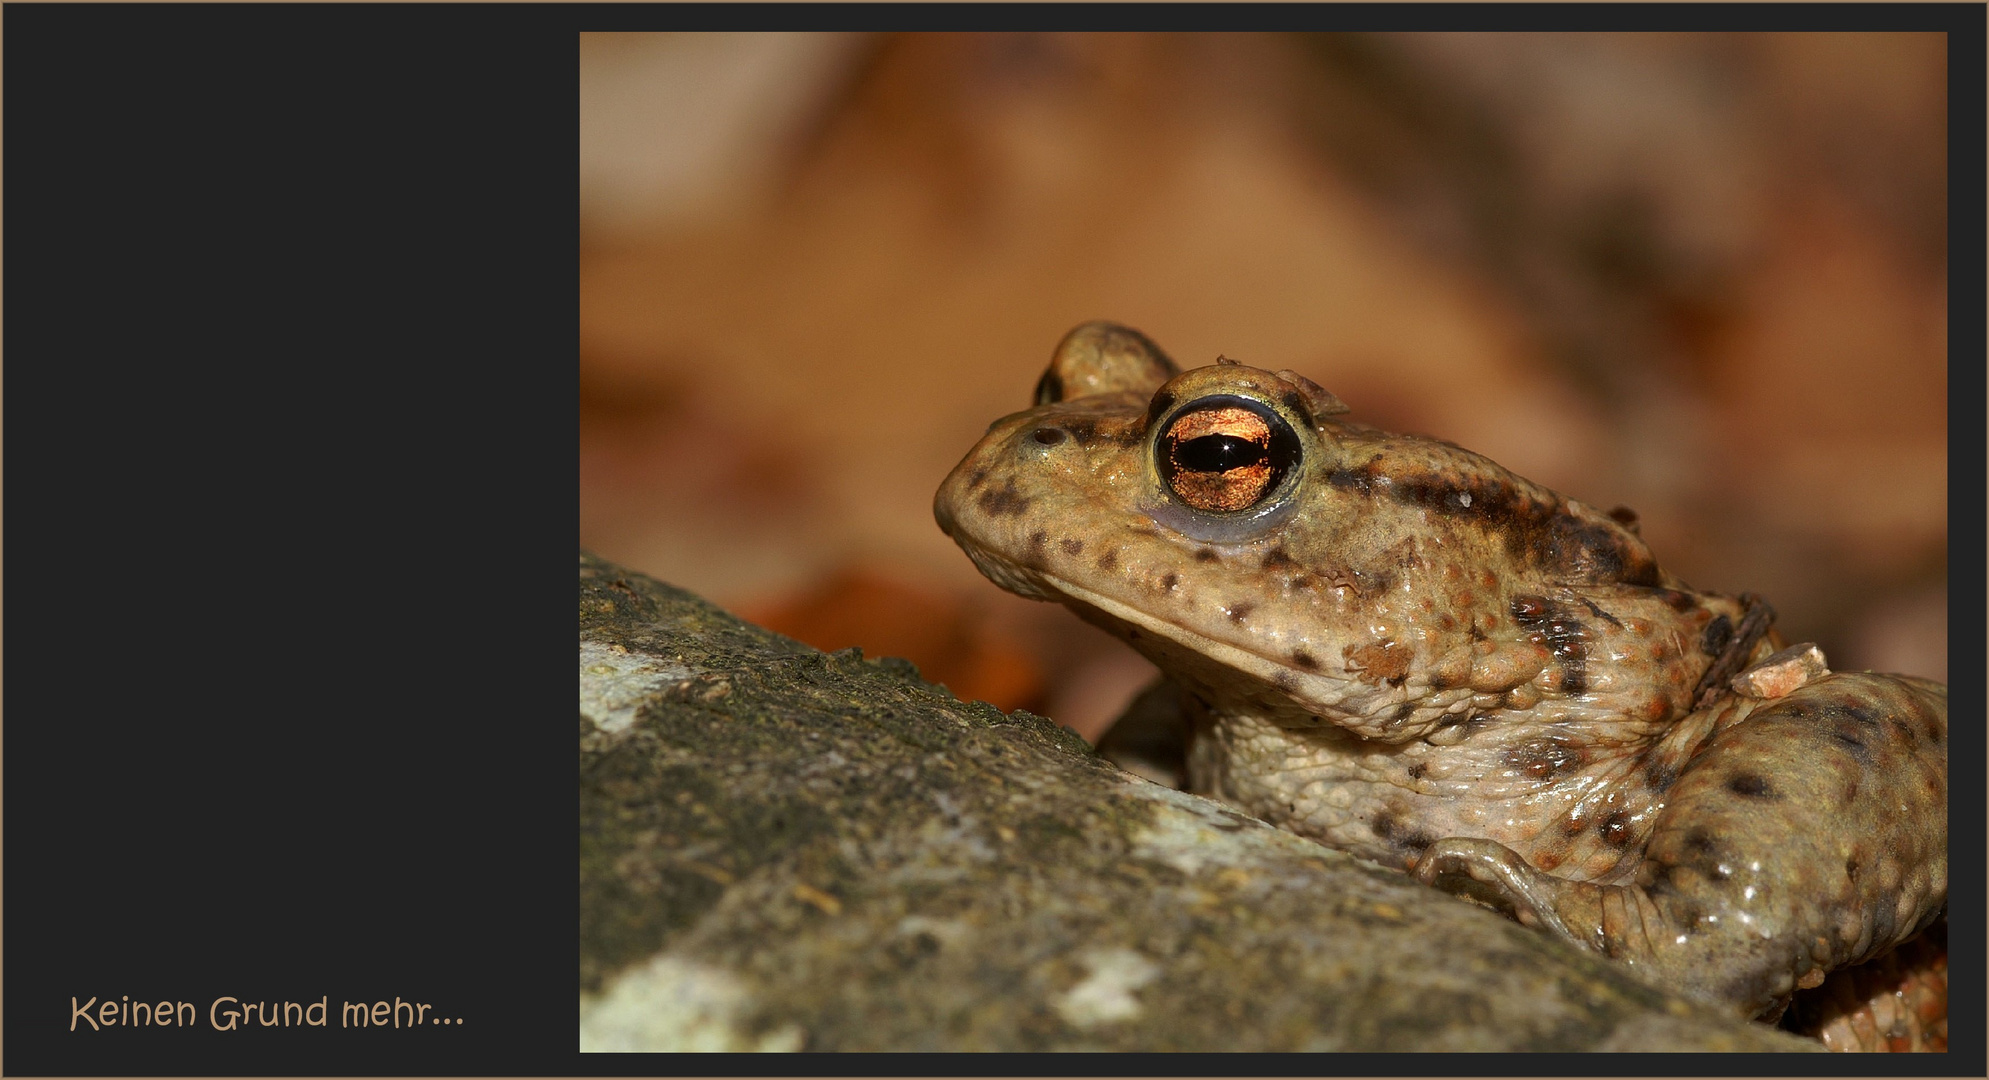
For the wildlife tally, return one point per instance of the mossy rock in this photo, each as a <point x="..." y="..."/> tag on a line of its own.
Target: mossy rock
<point x="784" y="849"/>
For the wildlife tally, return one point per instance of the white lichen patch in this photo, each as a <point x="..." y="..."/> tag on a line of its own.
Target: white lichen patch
<point x="1199" y="836"/>
<point x="1190" y="832"/>
<point x="677" y="1006"/>
<point x="613" y="681"/>
<point x="1106" y="995"/>
<point x="944" y="931"/>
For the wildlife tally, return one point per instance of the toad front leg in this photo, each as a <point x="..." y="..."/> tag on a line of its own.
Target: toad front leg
<point x="1809" y="836"/>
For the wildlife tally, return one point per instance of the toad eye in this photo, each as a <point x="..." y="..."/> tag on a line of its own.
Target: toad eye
<point x="1225" y="454"/>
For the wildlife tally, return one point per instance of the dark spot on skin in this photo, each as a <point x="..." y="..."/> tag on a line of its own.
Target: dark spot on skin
<point x="1305" y="660"/>
<point x="1616" y="830"/>
<point x="1340" y="476"/>
<point x="1385" y="825"/>
<point x="975" y="480"/>
<point x="1417" y="841"/>
<point x="1541" y="759"/>
<point x="1848" y="738"/>
<point x="1528" y="611"/>
<point x="1750" y="786"/>
<point x="1851" y="869"/>
<point x="1108" y="560"/>
<point x="1294" y="401"/>
<point x="1563" y="634"/>
<point x="1083" y="429"/>
<point x="1285" y="681"/>
<point x="1036" y="557"/>
<point x="1624" y="516"/>
<point x="1660" y="775"/>
<point x="1718" y="632"/>
<point x="1700" y="842"/>
<point x="1276" y="558"/>
<point x="1398" y="680"/>
<point x="1169" y="580"/>
<point x="1544" y="532"/>
<point x="1006" y="502"/>
<point x="1133" y="634"/>
<point x="1162" y="401"/>
<point x="1438" y="682"/>
<point x="1206" y="555"/>
<point x="1452" y="720"/>
<point x="1860" y="715"/>
<point x="1048" y="436"/>
<point x="1601" y="614"/>
<point x="1405" y="710"/>
<point x="1417" y="771"/>
<point x="1476" y="634"/>
<point x="1072" y="546"/>
<point x="1358" y="479"/>
<point x="1677" y="601"/>
<point x="1491" y="499"/>
<point x="1598" y="553"/>
<point x="1574" y="681"/>
<point x="1240" y="610"/>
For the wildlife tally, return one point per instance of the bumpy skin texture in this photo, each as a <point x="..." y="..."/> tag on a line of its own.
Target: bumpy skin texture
<point x="1398" y="648"/>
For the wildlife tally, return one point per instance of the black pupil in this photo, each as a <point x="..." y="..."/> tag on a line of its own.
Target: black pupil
<point x="1219" y="453"/>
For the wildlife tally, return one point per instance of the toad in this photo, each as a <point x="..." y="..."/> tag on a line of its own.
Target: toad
<point x="1395" y="647"/>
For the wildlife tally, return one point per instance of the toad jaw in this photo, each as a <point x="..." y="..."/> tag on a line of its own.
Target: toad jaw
<point x="1312" y="692"/>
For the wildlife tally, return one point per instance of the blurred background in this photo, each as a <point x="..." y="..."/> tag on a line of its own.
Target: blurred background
<point x="1700" y="275"/>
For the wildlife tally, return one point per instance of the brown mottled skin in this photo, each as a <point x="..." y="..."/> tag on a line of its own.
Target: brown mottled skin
<point x="1405" y="651"/>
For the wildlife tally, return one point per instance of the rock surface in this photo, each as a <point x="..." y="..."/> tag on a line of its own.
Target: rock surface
<point x="782" y="849"/>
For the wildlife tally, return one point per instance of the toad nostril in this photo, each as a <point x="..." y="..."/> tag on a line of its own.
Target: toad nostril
<point x="1048" y="436"/>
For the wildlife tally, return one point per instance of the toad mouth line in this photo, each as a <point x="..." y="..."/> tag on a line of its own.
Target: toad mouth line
<point x="1230" y="655"/>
